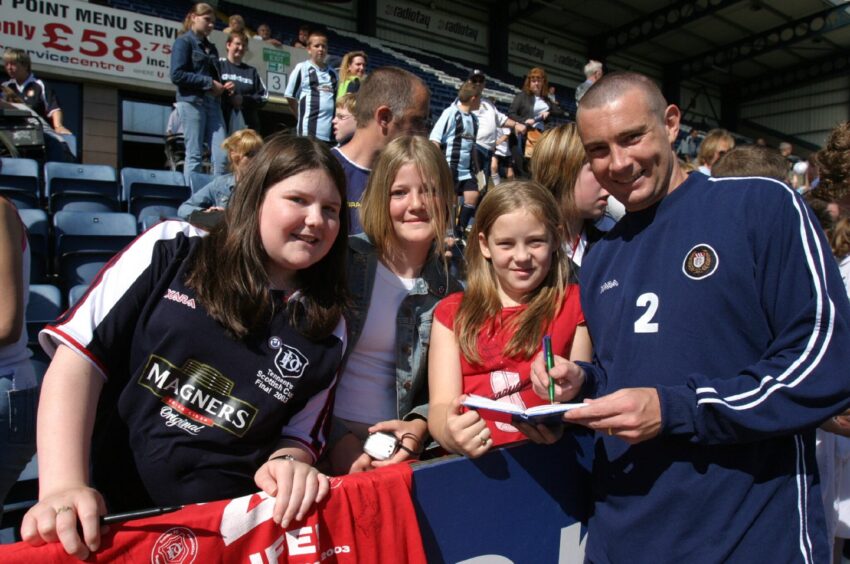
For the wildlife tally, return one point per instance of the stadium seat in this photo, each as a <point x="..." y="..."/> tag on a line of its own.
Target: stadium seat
<point x="85" y="241"/>
<point x="153" y="192"/>
<point x="80" y="187"/>
<point x="75" y="293"/>
<point x="19" y="182"/>
<point x="198" y="180"/>
<point x="44" y="306"/>
<point x="37" y="232"/>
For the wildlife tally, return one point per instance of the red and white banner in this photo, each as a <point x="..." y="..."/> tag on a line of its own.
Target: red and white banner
<point x="78" y="36"/>
<point x="368" y="517"/>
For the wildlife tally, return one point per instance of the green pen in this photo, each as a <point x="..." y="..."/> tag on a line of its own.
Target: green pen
<point x="550" y="364"/>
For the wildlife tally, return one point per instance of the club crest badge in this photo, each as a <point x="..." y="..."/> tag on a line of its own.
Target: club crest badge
<point x="290" y="362"/>
<point x="177" y="545"/>
<point x="700" y="262"/>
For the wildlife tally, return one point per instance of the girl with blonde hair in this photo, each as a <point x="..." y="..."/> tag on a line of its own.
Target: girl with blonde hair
<point x="560" y="165"/>
<point x="396" y="274"/>
<point x="483" y="340"/>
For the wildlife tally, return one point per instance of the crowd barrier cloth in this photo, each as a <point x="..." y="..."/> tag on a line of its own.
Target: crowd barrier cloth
<point x="520" y="504"/>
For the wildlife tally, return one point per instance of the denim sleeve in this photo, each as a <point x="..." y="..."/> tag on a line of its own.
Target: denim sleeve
<point x="182" y="68"/>
<point x="200" y="200"/>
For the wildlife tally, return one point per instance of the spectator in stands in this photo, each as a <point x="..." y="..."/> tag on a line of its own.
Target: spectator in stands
<point x="31" y="90"/>
<point x="303" y="36"/>
<point x="834" y="165"/>
<point x="241" y="104"/>
<point x="351" y="72"/>
<point x="787" y="151"/>
<point x="560" y="165"/>
<point x="235" y="24"/>
<point x="174" y="126"/>
<point x="18" y="385"/>
<point x="241" y="148"/>
<point x="689" y="146"/>
<point x="733" y="430"/>
<point x="455" y="133"/>
<point x="311" y="90"/>
<point x="344" y="122"/>
<point x="396" y="275"/>
<point x="761" y="142"/>
<point x="592" y="72"/>
<point x="751" y="160"/>
<point x="533" y="109"/>
<point x="490" y="120"/>
<point x="716" y="143"/>
<point x="182" y="324"/>
<point x="55" y="146"/>
<point x="391" y="102"/>
<point x="264" y="33"/>
<point x="500" y="164"/>
<point x="483" y="340"/>
<point x="195" y="72"/>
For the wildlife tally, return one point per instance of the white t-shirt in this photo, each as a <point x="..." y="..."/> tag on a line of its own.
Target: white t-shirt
<point x="366" y="392"/>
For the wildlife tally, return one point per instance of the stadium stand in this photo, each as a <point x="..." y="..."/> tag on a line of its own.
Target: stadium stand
<point x="81" y="187"/>
<point x="38" y="227"/>
<point x="19" y="182"/>
<point x="198" y="180"/>
<point x="153" y="192"/>
<point x="85" y="241"/>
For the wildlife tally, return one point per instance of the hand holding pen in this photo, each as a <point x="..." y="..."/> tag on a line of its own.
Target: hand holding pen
<point x="565" y="377"/>
<point x="550" y="364"/>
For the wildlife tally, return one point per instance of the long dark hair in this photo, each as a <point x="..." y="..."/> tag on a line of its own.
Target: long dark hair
<point x="228" y="273"/>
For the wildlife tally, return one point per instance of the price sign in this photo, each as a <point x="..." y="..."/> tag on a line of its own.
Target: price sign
<point x="73" y="35"/>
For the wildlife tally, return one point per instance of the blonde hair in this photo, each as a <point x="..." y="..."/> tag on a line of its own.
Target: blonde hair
<point x="556" y="164"/>
<point x="346" y="62"/>
<point x="480" y="309"/>
<point x="199" y="9"/>
<point x="347" y="101"/>
<point x="711" y="144"/>
<point x="244" y="143"/>
<point x="435" y="174"/>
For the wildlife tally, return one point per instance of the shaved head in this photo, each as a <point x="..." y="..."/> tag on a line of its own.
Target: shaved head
<point x="614" y="85"/>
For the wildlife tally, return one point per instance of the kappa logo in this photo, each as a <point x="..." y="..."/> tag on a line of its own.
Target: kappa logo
<point x="700" y="262"/>
<point x="290" y="362"/>
<point x="177" y="545"/>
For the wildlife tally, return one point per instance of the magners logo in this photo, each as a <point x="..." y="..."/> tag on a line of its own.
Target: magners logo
<point x="198" y="392"/>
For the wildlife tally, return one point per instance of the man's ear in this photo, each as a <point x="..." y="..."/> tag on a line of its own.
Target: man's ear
<point x="383" y="116"/>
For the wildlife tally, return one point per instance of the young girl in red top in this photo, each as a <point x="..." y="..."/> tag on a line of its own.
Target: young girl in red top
<point x="483" y="341"/>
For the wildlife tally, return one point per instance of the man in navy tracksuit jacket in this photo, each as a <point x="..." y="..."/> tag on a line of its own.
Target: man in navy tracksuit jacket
<point x="722" y="340"/>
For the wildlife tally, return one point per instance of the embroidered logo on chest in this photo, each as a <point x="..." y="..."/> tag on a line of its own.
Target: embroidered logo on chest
<point x="290" y="362"/>
<point x="700" y="262"/>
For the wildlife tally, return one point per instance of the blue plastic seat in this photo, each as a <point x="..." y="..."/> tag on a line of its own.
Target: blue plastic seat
<point x="19" y="182"/>
<point x="80" y="187"/>
<point x="75" y="293"/>
<point x="44" y="306"/>
<point x="153" y="192"/>
<point x="198" y="180"/>
<point x="37" y="232"/>
<point x="85" y="241"/>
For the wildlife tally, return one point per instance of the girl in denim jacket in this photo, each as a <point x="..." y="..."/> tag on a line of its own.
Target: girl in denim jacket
<point x="195" y="72"/>
<point x="396" y="276"/>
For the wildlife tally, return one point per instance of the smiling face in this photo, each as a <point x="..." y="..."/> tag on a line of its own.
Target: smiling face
<point x="520" y="250"/>
<point x="203" y="25"/>
<point x="235" y="49"/>
<point x="357" y="66"/>
<point x="299" y="221"/>
<point x="591" y="198"/>
<point x="628" y="147"/>
<point x="410" y="199"/>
